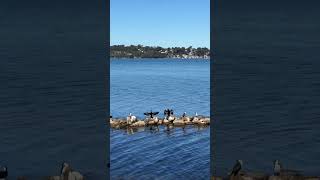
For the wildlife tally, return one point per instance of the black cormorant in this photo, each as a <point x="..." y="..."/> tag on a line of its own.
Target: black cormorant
<point x="3" y="172"/>
<point x="236" y="168"/>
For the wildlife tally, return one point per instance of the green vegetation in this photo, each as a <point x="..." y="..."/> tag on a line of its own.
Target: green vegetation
<point x="139" y="51"/>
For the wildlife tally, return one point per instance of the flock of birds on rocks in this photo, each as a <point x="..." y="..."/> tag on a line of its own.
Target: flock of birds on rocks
<point x="279" y="173"/>
<point x="152" y="119"/>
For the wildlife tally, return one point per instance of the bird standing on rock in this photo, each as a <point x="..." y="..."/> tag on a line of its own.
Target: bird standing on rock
<point x="277" y="168"/>
<point x="131" y="119"/>
<point x="3" y="172"/>
<point x="195" y="119"/>
<point x="150" y="114"/>
<point x="151" y="118"/>
<point x="166" y="113"/>
<point x="68" y="174"/>
<point x="168" y="116"/>
<point x="236" y="168"/>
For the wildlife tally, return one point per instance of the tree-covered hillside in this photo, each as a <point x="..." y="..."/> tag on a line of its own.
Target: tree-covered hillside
<point x="139" y="51"/>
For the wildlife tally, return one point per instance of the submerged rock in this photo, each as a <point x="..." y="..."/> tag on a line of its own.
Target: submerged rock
<point x="151" y="122"/>
<point x="114" y="124"/>
<point x="187" y="120"/>
<point x="165" y="121"/>
<point x="195" y="120"/>
<point x="138" y="124"/>
<point x="204" y="121"/>
<point x="118" y="123"/>
<point x="178" y="122"/>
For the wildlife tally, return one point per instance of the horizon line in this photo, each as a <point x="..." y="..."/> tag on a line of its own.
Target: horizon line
<point x="158" y="46"/>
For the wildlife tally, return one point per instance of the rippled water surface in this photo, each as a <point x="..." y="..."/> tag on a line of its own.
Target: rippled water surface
<point x="138" y="86"/>
<point x="52" y="110"/>
<point x="267" y="86"/>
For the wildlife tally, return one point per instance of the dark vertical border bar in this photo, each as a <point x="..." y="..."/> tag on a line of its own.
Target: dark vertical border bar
<point x="212" y="84"/>
<point x="107" y="84"/>
<point x="53" y="59"/>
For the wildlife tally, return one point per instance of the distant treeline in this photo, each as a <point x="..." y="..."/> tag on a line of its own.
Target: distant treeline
<point x="139" y="51"/>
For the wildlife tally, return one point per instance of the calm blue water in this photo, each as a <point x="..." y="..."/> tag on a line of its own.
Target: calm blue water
<point x="52" y="89"/>
<point x="138" y="86"/>
<point x="48" y="116"/>
<point x="267" y="73"/>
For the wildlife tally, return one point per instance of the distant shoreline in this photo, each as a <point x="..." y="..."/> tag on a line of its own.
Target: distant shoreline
<point x="157" y="52"/>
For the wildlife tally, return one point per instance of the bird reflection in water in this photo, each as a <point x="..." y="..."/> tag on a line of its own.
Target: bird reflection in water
<point x="133" y="130"/>
<point x="154" y="129"/>
<point x="200" y="128"/>
<point x="169" y="129"/>
<point x="184" y="130"/>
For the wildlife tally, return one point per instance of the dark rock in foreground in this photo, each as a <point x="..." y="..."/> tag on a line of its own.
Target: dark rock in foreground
<point x="256" y="176"/>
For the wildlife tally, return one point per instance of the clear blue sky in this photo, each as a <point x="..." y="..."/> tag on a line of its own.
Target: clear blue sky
<point x="165" y="23"/>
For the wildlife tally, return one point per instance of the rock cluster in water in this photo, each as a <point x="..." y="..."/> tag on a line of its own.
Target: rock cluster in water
<point x="258" y="176"/>
<point x="279" y="173"/>
<point x="132" y="121"/>
<point x="66" y="173"/>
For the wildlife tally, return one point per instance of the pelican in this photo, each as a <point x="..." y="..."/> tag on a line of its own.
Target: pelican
<point x="236" y="168"/>
<point x="195" y="119"/>
<point x="171" y="118"/>
<point x="3" y="172"/>
<point x="131" y="119"/>
<point x="67" y="173"/>
<point x="156" y="120"/>
<point x="277" y="167"/>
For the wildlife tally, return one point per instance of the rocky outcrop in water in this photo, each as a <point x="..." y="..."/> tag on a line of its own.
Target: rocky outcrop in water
<point x="155" y="121"/>
<point x="279" y="174"/>
<point x="66" y="173"/>
<point x="266" y="177"/>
